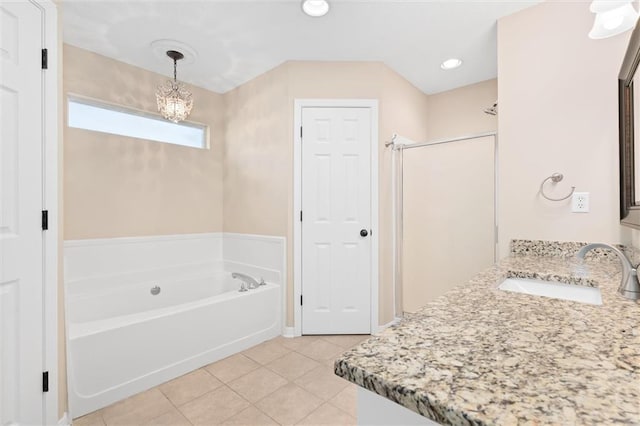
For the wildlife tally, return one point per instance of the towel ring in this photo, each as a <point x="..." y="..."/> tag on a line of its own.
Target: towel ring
<point x="555" y="178"/>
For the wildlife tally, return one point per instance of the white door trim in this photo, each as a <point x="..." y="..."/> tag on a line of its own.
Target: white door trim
<point x="299" y="104"/>
<point x="52" y="116"/>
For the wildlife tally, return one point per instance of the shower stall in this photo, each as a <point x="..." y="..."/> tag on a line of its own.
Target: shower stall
<point x="445" y="214"/>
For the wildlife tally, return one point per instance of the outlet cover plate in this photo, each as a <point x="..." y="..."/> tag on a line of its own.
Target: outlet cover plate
<point x="580" y="202"/>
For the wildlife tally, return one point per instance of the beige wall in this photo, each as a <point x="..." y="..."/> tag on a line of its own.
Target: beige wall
<point x="259" y="147"/>
<point x="396" y="97"/>
<point x="448" y="217"/>
<point x="116" y="186"/>
<point x="403" y="110"/>
<point x="257" y="157"/>
<point x="252" y="135"/>
<point x="460" y="111"/>
<point x="432" y="251"/>
<point x="113" y="186"/>
<point x="258" y="165"/>
<point x="558" y="113"/>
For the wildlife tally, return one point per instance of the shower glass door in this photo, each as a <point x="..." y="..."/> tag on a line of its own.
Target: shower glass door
<point x="448" y="213"/>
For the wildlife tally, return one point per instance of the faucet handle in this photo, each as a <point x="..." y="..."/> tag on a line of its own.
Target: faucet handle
<point x="262" y="281"/>
<point x="243" y="287"/>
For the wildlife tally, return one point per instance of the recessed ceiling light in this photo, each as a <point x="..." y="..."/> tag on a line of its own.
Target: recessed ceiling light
<point x="315" y="8"/>
<point x="450" y="64"/>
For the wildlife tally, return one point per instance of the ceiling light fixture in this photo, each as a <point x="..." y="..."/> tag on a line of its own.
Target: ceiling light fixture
<point x="174" y="100"/>
<point x="450" y="64"/>
<point x="612" y="18"/>
<point x="315" y="8"/>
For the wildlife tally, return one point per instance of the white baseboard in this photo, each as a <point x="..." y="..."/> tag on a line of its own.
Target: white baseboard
<point x="387" y="325"/>
<point x="64" y="421"/>
<point x="289" y="332"/>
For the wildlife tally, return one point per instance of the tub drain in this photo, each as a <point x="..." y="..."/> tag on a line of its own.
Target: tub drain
<point x="155" y="290"/>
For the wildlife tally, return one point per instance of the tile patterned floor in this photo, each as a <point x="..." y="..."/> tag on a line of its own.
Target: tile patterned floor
<point x="279" y="382"/>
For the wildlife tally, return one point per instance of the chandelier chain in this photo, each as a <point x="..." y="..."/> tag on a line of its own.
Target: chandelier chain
<point x="175" y="69"/>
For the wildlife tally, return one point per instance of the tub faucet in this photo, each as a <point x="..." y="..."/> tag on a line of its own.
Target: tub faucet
<point x="629" y="285"/>
<point x="246" y="279"/>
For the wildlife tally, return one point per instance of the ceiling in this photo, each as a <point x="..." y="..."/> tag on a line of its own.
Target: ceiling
<point x="238" y="40"/>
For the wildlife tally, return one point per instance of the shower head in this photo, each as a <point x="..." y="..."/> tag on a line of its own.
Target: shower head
<point x="492" y="110"/>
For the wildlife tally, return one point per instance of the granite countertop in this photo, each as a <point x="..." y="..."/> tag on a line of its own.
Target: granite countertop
<point x="483" y="356"/>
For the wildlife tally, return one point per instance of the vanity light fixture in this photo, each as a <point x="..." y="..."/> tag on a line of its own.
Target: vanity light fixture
<point x="174" y="100"/>
<point x="612" y="18"/>
<point x="450" y="64"/>
<point x="315" y="8"/>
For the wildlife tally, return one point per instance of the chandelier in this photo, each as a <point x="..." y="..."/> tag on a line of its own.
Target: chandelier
<point x="174" y="100"/>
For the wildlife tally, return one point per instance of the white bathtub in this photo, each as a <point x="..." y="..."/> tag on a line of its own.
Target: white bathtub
<point x="124" y="340"/>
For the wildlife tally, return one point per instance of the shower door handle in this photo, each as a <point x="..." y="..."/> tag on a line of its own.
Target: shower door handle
<point x="364" y="232"/>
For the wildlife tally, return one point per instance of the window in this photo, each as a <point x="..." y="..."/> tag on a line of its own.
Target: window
<point x="106" y="118"/>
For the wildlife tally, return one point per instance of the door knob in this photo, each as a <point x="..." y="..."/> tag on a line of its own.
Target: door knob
<point x="364" y="233"/>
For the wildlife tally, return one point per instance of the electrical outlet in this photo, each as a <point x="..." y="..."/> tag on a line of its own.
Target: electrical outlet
<point x="580" y="202"/>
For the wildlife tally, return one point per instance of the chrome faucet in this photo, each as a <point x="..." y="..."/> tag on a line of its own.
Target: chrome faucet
<point x="629" y="285"/>
<point x="246" y="279"/>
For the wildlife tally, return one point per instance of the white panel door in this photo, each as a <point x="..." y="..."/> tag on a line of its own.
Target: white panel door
<point x="21" y="254"/>
<point x="336" y="206"/>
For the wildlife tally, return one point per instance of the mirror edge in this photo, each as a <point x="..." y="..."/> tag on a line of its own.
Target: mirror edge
<point x="629" y="212"/>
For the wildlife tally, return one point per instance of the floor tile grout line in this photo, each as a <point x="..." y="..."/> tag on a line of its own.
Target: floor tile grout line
<point x="272" y="392"/>
<point x="253" y="371"/>
<point x="301" y="388"/>
<point x="244" y="399"/>
<point x="139" y="393"/>
<point x="188" y="402"/>
<point x="236" y="378"/>
<point x="266" y="414"/>
<point x="339" y="408"/>
<point x="319" y="407"/>
<point x="174" y="405"/>
<point x="321" y="363"/>
<point x="297" y="377"/>
<point x="275" y="359"/>
<point x="211" y="391"/>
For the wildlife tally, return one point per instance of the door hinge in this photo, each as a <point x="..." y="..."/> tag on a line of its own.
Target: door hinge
<point x="45" y="220"/>
<point x="300" y="215"/>
<point x="45" y="381"/>
<point x="300" y="132"/>
<point x="45" y="59"/>
<point x="300" y="300"/>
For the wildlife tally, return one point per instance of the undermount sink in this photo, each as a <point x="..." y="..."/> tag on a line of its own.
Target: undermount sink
<point x="554" y="290"/>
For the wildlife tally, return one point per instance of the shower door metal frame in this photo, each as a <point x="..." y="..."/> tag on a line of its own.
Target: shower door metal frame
<point x="398" y="200"/>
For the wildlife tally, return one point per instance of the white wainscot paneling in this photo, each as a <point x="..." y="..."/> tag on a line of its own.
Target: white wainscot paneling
<point x="101" y="264"/>
<point x="113" y="270"/>
<point x="258" y="255"/>
<point x="91" y="258"/>
<point x="91" y="264"/>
